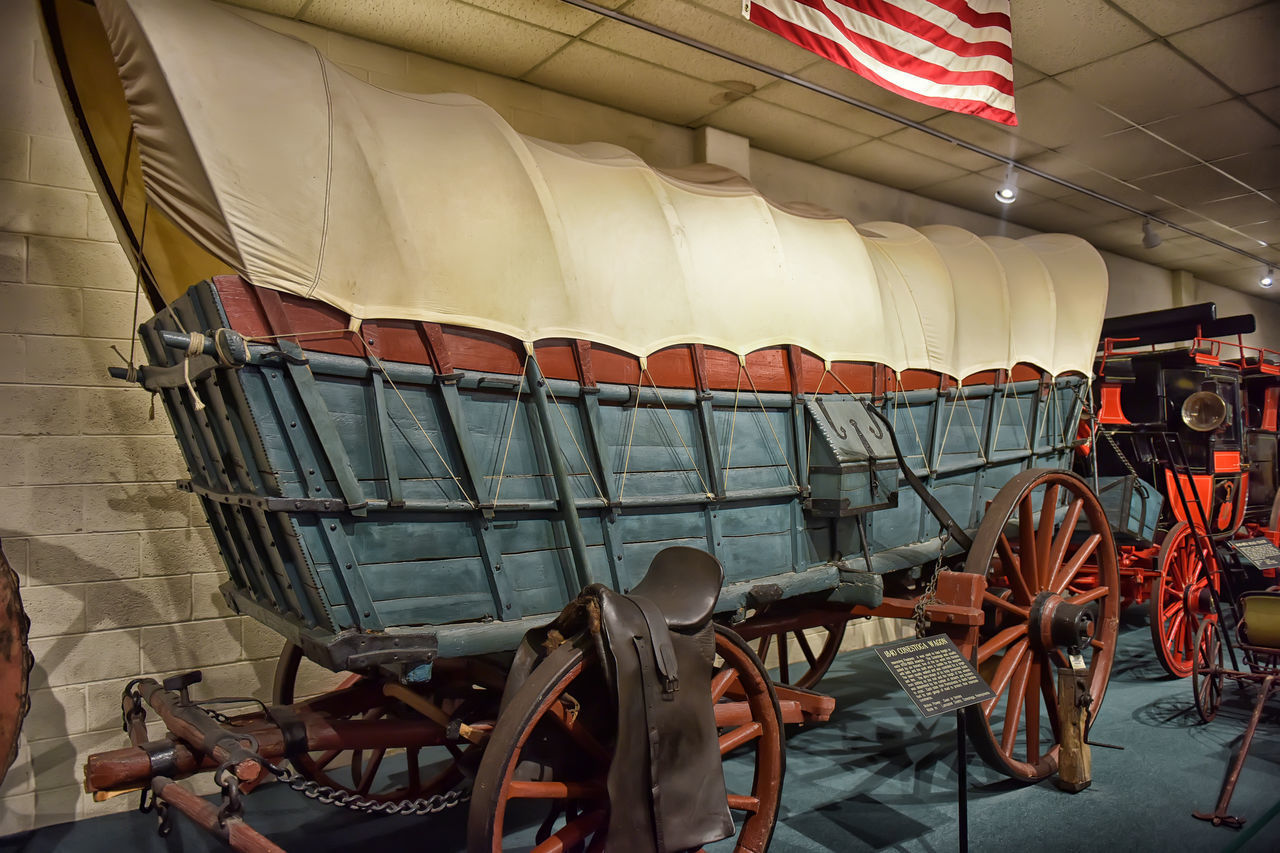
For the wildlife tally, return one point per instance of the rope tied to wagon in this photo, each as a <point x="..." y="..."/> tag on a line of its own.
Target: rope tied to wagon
<point x="635" y="411"/>
<point x="742" y="369"/>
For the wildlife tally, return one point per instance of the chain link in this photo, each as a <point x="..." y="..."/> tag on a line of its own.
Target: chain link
<point x="920" y="612"/>
<point x="346" y="799"/>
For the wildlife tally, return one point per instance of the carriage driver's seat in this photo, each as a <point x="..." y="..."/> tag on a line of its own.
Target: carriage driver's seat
<point x="1261" y="623"/>
<point x="685" y="584"/>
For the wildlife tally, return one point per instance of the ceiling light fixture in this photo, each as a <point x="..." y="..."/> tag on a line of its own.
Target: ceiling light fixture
<point x="1008" y="192"/>
<point x="1268" y="279"/>
<point x="1150" y="239"/>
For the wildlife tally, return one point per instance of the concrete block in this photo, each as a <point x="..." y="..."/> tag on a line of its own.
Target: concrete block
<point x="15" y="451"/>
<point x="260" y="641"/>
<point x="27" y="510"/>
<point x="33" y="109"/>
<point x="14" y="157"/>
<point x="428" y="75"/>
<point x="13" y="257"/>
<point x="100" y="226"/>
<point x="192" y="644"/>
<point x="57" y="162"/>
<point x="79" y="263"/>
<point x="13" y="358"/>
<point x="36" y="309"/>
<point x="59" y="712"/>
<point x="67" y="803"/>
<point x="17" y="812"/>
<point x="121" y="410"/>
<point x="102" y="459"/>
<point x="234" y="679"/>
<point x="55" y="610"/>
<point x="33" y="209"/>
<point x="107" y="314"/>
<point x="139" y="506"/>
<point x="135" y="602"/>
<point x="14" y="552"/>
<point x="314" y="679"/>
<point x="206" y="600"/>
<point x="58" y="762"/>
<point x="77" y="658"/>
<point x="171" y="552"/>
<point x="70" y="361"/>
<point x="20" y="779"/>
<point x="40" y="410"/>
<point x="82" y="558"/>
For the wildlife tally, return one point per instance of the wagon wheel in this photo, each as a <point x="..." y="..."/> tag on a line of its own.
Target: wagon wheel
<point x="1060" y="567"/>
<point x="817" y="663"/>
<point x="1206" y="669"/>
<point x="15" y="664"/>
<point x="1175" y="599"/>
<point x="553" y="743"/>
<point x="411" y="772"/>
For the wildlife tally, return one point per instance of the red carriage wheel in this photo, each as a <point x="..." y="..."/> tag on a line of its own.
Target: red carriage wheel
<point x="468" y="690"/>
<point x="825" y="638"/>
<point x="553" y="745"/>
<point x="1047" y="539"/>
<point x="15" y="665"/>
<point x="1175" y="606"/>
<point x="1207" y="669"/>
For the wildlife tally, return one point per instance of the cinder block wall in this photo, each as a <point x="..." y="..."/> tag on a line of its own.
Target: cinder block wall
<point x="118" y="570"/>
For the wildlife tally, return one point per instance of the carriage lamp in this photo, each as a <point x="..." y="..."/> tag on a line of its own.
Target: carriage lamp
<point x="1150" y="239"/>
<point x="1268" y="279"/>
<point x="1204" y="411"/>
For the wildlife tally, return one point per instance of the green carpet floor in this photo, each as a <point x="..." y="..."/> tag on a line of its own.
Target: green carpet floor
<point x="878" y="777"/>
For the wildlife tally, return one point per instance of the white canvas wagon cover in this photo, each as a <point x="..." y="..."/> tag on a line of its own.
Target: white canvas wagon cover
<point x="308" y="180"/>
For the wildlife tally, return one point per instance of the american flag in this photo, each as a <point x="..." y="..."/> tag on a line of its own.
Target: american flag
<point x="953" y="54"/>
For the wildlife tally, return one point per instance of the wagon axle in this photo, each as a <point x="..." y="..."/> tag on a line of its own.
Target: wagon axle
<point x="1057" y="622"/>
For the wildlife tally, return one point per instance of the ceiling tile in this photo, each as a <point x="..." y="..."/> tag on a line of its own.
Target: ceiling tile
<point x="920" y="142"/>
<point x="1128" y="154"/>
<point x="986" y="134"/>
<point x="1171" y="16"/>
<point x="1267" y="232"/>
<point x="1051" y="216"/>
<point x="587" y="71"/>
<point x="1239" y="50"/>
<point x="1258" y="169"/>
<point x="1052" y="36"/>
<point x="723" y="27"/>
<point x="1024" y="75"/>
<point x="1053" y="116"/>
<point x="887" y="164"/>
<point x="1122" y="235"/>
<point x="1217" y="131"/>
<point x="445" y="29"/>
<point x="1144" y="84"/>
<point x="977" y="192"/>
<point x="811" y="103"/>
<point x="1190" y="187"/>
<point x="1247" y="209"/>
<point x="284" y="8"/>
<point x="550" y="14"/>
<point x="1268" y="102"/>
<point x="624" y="38"/>
<point x="1175" y="249"/>
<point x="783" y="131"/>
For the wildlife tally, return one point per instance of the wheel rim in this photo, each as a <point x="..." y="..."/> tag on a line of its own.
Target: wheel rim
<point x="812" y="665"/>
<point x="1206" y="670"/>
<point x="1182" y="581"/>
<point x="387" y="773"/>
<point x="543" y="714"/>
<point x="1049" y="577"/>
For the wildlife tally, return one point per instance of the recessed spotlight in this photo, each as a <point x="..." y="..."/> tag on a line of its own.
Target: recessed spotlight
<point x="1268" y="279"/>
<point x="1006" y="195"/>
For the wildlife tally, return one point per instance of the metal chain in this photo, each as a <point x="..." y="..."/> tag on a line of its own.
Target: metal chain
<point x="920" y="612"/>
<point x="345" y="799"/>
<point x="1096" y="426"/>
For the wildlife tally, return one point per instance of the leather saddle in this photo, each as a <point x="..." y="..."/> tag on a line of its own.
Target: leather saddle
<point x="657" y="647"/>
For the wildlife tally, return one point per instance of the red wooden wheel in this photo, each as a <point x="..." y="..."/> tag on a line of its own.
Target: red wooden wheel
<point x="826" y="638"/>
<point x="1047" y="539"/>
<point x="15" y="665"/>
<point x="553" y="744"/>
<point x="393" y="772"/>
<point x="1207" y="669"/>
<point x="1175" y="606"/>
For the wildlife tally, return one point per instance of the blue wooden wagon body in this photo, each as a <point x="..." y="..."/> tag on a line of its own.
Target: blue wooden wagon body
<point x="375" y="512"/>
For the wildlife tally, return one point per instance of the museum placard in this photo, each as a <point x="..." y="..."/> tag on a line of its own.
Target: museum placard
<point x="934" y="674"/>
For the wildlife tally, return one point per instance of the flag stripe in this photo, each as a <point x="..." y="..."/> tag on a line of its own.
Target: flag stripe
<point x="901" y="69"/>
<point x="923" y="52"/>
<point x="914" y="37"/>
<point x="975" y="18"/>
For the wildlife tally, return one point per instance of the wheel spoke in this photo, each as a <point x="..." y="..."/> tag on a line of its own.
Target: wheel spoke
<point x="574" y="833"/>
<point x="1005" y="604"/>
<point x="1060" y="543"/>
<point x="1000" y="641"/>
<point x="1044" y="535"/>
<point x="806" y="649"/>
<point x="1072" y="567"/>
<point x="1008" y="664"/>
<point x="1033" y="711"/>
<point x="735" y="738"/>
<point x="1013" y="708"/>
<point x="1096" y="594"/>
<point x="784" y="673"/>
<point x="1013" y="570"/>
<point x="326" y="757"/>
<point x="366" y="779"/>
<point x="415" y="771"/>
<point x="721" y="682"/>
<point x="1027" y="544"/>
<point x="743" y="803"/>
<point x="572" y="725"/>
<point x="523" y="789"/>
